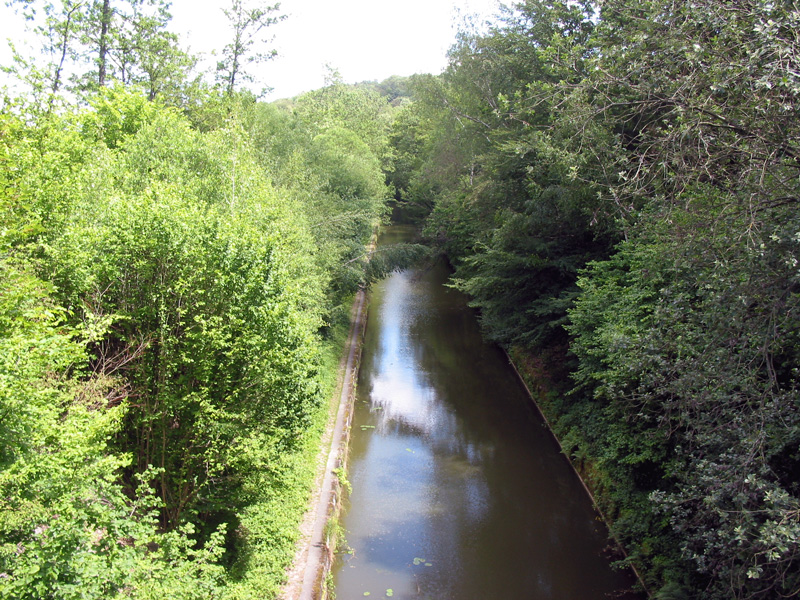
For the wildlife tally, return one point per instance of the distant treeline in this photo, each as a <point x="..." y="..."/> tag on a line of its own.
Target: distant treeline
<point x="618" y="191"/>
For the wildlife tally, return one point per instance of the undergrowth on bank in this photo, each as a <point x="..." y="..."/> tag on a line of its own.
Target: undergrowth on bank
<point x="276" y="522"/>
<point x="174" y="299"/>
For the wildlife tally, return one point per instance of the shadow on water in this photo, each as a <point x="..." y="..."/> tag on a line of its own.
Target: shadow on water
<point x="459" y="491"/>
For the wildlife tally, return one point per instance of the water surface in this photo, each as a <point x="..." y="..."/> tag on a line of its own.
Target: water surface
<point x="459" y="491"/>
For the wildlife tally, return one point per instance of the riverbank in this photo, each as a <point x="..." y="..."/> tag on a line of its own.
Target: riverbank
<point x="458" y="491"/>
<point x="306" y="580"/>
<point x="538" y="381"/>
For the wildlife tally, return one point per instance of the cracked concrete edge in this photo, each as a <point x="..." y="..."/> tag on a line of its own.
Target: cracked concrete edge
<point x="586" y="487"/>
<point x="306" y="578"/>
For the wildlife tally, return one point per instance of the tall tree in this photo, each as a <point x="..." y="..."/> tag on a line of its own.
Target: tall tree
<point x="58" y="26"/>
<point x="126" y="40"/>
<point x="363" y="111"/>
<point x="703" y="92"/>
<point x="247" y="20"/>
<point x="102" y="58"/>
<point x="131" y="44"/>
<point x="146" y="52"/>
<point x="689" y="334"/>
<point x="515" y="224"/>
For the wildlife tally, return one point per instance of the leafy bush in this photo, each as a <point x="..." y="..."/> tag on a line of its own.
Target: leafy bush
<point x="687" y="346"/>
<point x="153" y="441"/>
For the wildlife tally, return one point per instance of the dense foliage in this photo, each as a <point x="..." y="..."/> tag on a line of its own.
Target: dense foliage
<point x="616" y="187"/>
<point x="177" y="261"/>
<point x="617" y="190"/>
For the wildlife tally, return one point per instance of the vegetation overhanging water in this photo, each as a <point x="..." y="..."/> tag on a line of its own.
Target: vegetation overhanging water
<point x="458" y="489"/>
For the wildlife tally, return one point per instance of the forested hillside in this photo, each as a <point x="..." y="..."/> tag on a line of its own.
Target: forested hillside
<point x="616" y="185"/>
<point x="177" y="265"/>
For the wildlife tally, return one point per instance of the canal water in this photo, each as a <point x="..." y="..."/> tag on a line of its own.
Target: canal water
<point x="459" y="492"/>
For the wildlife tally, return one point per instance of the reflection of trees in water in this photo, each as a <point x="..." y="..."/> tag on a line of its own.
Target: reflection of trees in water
<point x="501" y="514"/>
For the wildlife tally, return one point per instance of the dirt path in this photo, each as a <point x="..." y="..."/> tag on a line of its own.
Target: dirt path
<point x="315" y="554"/>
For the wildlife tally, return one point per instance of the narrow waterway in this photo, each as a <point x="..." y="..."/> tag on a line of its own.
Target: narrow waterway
<point x="459" y="492"/>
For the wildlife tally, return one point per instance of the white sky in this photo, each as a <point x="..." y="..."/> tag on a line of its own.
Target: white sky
<point x="362" y="39"/>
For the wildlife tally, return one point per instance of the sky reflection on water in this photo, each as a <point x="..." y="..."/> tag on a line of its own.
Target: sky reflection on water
<point x="459" y="492"/>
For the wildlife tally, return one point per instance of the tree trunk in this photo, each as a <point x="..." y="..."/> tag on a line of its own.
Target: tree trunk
<point x="105" y="23"/>
<point x="64" y="47"/>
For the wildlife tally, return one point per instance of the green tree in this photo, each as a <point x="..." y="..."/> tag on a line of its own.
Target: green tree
<point x="704" y="93"/>
<point x="690" y="359"/>
<point x="247" y="21"/>
<point x="146" y="53"/>
<point x="69" y="528"/>
<point x="337" y="105"/>
<point x="688" y="333"/>
<point x="347" y="154"/>
<point x="202" y="276"/>
<point x="174" y="298"/>
<point x="58" y="27"/>
<point x="125" y="41"/>
<point x="513" y="191"/>
<point x="133" y="45"/>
